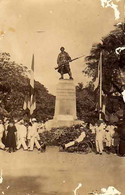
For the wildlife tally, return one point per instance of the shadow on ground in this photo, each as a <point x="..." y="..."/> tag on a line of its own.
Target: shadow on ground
<point x="25" y="186"/>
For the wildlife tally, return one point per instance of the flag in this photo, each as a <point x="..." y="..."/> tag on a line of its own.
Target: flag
<point x="32" y="74"/>
<point x="96" y="83"/>
<point x="32" y="92"/>
<point x="26" y="104"/>
<point x="30" y="102"/>
<point x="103" y="103"/>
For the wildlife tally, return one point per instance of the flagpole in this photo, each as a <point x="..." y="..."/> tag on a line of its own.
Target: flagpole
<point x="100" y="88"/>
<point x="32" y="95"/>
<point x="123" y="15"/>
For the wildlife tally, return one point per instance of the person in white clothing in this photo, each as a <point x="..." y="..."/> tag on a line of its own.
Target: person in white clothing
<point x="72" y="143"/>
<point x="2" y="146"/>
<point x="33" y="135"/>
<point x="112" y="132"/>
<point x="21" y="135"/>
<point x="123" y="95"/>
<point x="99" y="137"/>
<point x="92" y="128"/>
<point x="107" y="136"/>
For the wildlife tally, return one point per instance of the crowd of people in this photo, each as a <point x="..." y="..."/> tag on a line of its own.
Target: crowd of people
<point x="107" y="138"/>
<point x="17" y="134"/>
<point x="20" y="134"/>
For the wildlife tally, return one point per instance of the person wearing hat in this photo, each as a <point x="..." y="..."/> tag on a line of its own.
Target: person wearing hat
<point x="78" y="140"/>
<point x="11" y="136"/>
<point x="63" y="63"/>
<point x="21" y="134"/>
<point x="99" y="129"/>
<point x="33" y="135"/>
<point x="107" y="140"/>
<point x="2" y="146"/>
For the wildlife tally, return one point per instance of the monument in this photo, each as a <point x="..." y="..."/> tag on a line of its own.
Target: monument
<point x="65" y="107"/>
<point x="65" y="104"/>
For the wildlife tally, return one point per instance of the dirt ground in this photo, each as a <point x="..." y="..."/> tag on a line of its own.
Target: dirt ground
<point x="59" y="173"/>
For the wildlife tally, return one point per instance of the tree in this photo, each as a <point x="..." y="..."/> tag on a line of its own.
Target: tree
<point x="14" y="86"/>
<point x="86" y="105"/>
<point x="113" y="66"/>
<point x="112" y="62"/>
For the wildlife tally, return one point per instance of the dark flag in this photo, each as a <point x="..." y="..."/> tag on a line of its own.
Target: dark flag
<point x="32" y="92"/>
<point x="30" y="102"/>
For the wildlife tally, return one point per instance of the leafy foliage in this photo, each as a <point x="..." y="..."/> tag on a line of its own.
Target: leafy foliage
<point x="86" y="104"/>
<point x="14" y="86"/>
<point x="112" y="62"/>
<point x="113" y="69"/>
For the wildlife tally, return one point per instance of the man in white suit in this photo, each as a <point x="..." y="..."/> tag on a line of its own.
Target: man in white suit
<point x="21" y="135"/>
<point x="33" y="135"/>
<point x="2" y="146"/>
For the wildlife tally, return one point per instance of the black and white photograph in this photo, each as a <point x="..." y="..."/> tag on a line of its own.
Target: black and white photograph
<point x="62" y="97"/>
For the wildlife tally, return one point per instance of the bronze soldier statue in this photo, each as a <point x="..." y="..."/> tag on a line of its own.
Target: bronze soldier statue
<point x="63" y="63"/>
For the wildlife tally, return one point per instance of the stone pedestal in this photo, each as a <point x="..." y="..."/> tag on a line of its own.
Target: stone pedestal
<point x="65" y="105"/>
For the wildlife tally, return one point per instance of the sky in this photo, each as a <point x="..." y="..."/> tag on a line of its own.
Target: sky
<point x="41" y="27"/>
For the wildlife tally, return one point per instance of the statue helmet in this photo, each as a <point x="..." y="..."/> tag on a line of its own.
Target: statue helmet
<point x="62" y="49"/>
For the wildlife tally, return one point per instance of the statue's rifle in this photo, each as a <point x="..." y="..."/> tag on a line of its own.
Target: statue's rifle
<point x="68" y="62"/>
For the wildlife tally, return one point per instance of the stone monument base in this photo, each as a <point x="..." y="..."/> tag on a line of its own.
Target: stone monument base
<point x="61" y="123"/>
<point x="65" y="106"/>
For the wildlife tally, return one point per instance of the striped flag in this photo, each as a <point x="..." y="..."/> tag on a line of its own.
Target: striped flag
<point x="26" y="104"/>
<point x="32" y="92"/>
<point x="96" y="83"/>
<point x="30" y="102"/>
<point x="104" y="104"/>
